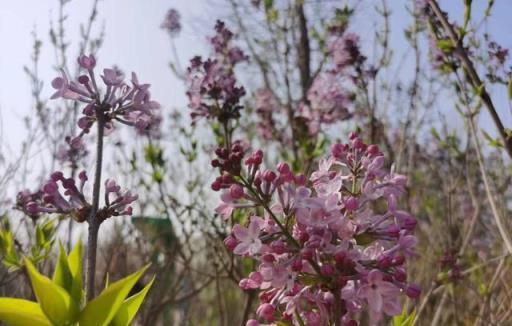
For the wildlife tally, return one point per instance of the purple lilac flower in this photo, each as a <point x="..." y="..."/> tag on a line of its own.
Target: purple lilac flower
<point x="120" y="102"/>
<point x="321" y="239"/>
<point x="61" y="195"/>
<point x="212" y="86"/>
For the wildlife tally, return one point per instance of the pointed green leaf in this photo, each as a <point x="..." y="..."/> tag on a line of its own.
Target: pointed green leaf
<point x="62" y="274"/>
<point x="19" y="312"/>
<point x="101" y="310"/>
<point x="55" y="302"/>
<point x="130" y="307"/>
<point x="75" y="267"/>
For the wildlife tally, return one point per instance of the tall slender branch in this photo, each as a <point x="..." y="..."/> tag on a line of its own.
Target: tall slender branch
<point x="93" y="220"/>
<point x="472" y="75"/>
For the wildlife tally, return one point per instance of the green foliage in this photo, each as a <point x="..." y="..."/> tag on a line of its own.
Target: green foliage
<point x="130" y="306"/>
<point x="19" y="312"/>
<point x="445" y="45"/>
<point x="39" y="251"/>
<point x="55" y="302"/>
<point x="7" y="249"/>
<point x="404" y="319"/>
<point x="342" y="16"/>
<point x="493" y="142"/>
<point x="60" y="300"/>
<point x="102" y="309"/>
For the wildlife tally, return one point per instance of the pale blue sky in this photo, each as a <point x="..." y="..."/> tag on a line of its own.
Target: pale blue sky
<point x="135" y="42"/>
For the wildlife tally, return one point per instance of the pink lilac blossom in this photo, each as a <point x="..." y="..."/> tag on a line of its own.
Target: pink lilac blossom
<point x="172" y="22"/>
<point x="120" y="102"/>
<point x="328" y="102"/>
<point x="267" y="106"/>
<point x="344" y="50"/>
<point x="212" y="86"/>
<point x="321" y="248"/>
<point x="60" y="195"/>
<point x="328" y="99"/>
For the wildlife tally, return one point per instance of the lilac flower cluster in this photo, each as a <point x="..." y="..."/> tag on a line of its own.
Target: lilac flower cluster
<point x="328" y="102"/>
<point x="329" y="96"/>
<point x="344" y="50"/>
<point x="267" y="105"/>
<point x="130" y="105"/>
<point x="499" y="68"/>
<point x="172" y="22"/>
<point x="212" y="86"/>
<point x="328" y="247"/>
<point x="60" y="195"/>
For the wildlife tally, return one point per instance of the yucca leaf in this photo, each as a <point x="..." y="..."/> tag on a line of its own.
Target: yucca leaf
<point x="75" y="267"/>
<point x="55" y="302"/>
<point x="102" y="309"/>
<point x="130" y="306"/>
<point x="19" y="312"/>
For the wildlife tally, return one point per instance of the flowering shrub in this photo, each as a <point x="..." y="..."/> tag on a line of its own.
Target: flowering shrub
<point x="298" y="237"/>
<point x="327" y="248"/>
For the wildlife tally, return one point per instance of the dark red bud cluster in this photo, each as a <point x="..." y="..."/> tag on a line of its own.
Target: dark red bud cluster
<point x="229" y="160"/>
<point x="223" y="182"/>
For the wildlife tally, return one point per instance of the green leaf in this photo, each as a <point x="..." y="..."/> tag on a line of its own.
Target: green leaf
<point x="19" y="312"/>
<point x="55" y="302"/>
<point x="496" y="143"/>
<point x="404" y="319"/>
<point x="130" y="306"/>
<point x="68" y="272"/>
<point x="75" y="267"/>
<point x="268" y="4"/>
<point x="101" y="310"/>
<point x="445" y="45"/>
<point x="62" y="274"/>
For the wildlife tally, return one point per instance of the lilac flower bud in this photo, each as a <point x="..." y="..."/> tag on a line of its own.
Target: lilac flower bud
<point x="410" y="223"/>
<point x="338" y="150"/>
<point x="230" y="243"/>
<point x="266" y="312"/>
<point x="400" y="275"/>
<point x="278" y="247"/>
<point x="87" y="62"/>
<point x="385" y="262"/>
<point x="327" y="270"/>
<point x="216" y="185"/>
<point x="82" y="176"/>
<point x="413" y="291"/>
<point x="111" y="186"/>
<point x="32" y="208"/>
<point x="83" y="79"/>
<point x="373" y="150"/>
<point x="50" y="187"/>
<point x="269" y="176"/>
<point x="236" y="191"/>
<point x="57" y="176"/>
<point x="351" y="204"/>
<point x="393" y="231"/>
<point x="252" y="322"/>
<point x="283" y="168"/>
